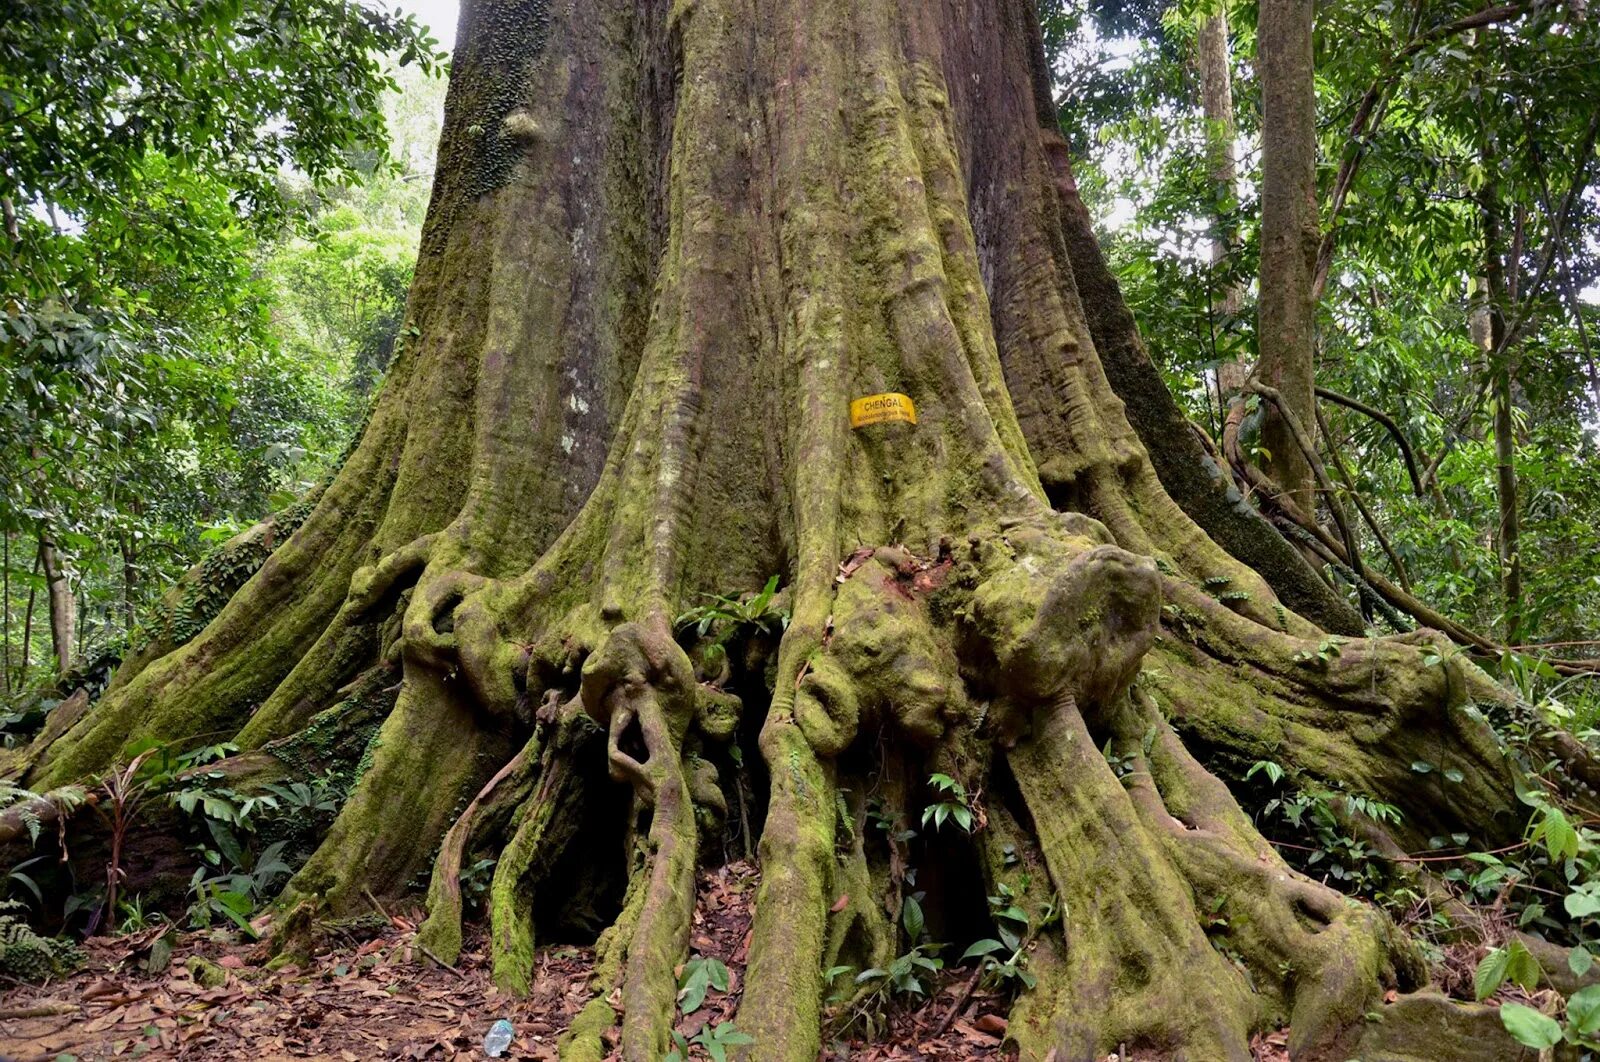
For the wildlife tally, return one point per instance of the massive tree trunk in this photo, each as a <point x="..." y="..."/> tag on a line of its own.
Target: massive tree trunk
<point x="669" y="244"/>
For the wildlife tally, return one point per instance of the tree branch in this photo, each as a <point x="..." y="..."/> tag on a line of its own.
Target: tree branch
<point x="1389" y="423"/>
<point x="1361" y="506"/>
<point x="1295" y="519"/>
<point x="1303" y="440"/>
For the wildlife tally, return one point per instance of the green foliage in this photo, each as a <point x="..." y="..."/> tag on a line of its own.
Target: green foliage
<point x="1005" y="956"/>
<point x="1513" y="963"/>
<point x="861" y="1001"/>
<point x="235" y="89"/>
<point x="157" y="390"/>
<point x="953" y="805"/>
<point x="66" y="799"/>
<point x="1318" y="818"/>
<point x="714" y="1040"/>
<point x="475" y="881"/>
<point x="236" y="894"/>
<point x="1539" y="1031"/>
<point x="903" y="975"/>
<point x="134" y="917"/>
<point x="722" y="618"/>
<point x="1393" y="329"/>
<point x="700" y="975"/>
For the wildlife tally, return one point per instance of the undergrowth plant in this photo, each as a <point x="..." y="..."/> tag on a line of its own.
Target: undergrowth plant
<point x="863" y="1002"/>
<point x="722" y="617"/>
<point x="1004" y="957"/>
<point x="699" y="976"/>
<point x="953" y="805"/>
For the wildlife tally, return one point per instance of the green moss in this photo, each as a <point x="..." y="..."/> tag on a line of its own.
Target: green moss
<point x="27" y="956"/>
<point x="583" y="1041"/>
<point x="206" y="973"/>
<point x="340" y="742"/>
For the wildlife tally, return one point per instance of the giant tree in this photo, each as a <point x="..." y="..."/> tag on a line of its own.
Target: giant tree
<point x="669" y="244"/>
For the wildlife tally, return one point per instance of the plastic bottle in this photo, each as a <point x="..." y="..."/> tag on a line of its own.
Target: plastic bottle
<point x="499" y="1038"/>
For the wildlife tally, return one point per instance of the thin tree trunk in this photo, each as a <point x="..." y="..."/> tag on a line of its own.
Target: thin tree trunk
<point x="1216" y="90"/>
<point x="63" y="609"/>
<point x="1290" y="233"/>
<point x="1502" y="369"/>
<point x="1500" y="363"/>
<point x="27" y="625"/>
<point x="5" y="629"/>
<point x="130" y="578"/>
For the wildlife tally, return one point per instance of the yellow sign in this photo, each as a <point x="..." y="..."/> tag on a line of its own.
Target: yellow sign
<point x="882" y="409"/>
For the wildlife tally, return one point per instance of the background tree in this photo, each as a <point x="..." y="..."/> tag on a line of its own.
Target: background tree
<point x="1403" y="97"/>
<point x="144" y="401"/>
<point x="1290" y="228"/>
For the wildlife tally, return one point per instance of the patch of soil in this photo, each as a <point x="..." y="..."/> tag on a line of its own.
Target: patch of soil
<point x="382" y="998"/>
<point x="376" y="999"/>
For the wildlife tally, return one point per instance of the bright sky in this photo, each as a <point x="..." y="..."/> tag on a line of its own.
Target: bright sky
<point x="437" y="15"/>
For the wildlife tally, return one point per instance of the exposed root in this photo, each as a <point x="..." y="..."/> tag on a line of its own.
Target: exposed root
<point x="641" y="687"/>
<point x="1135" y="947"/>
<point x="1324" y="960"/>
<point x="442" y="930"/>
<point x="782" y="1006"/>
<point x="544" y="825"/>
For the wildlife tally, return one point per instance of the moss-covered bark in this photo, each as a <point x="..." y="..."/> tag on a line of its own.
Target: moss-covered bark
<point x="669" y="243"/>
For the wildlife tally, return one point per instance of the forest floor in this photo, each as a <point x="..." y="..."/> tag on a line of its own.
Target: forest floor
<point x="375" y="995"/>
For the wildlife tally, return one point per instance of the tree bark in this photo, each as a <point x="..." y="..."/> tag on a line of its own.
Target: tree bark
<point x="669" y="244"/>
<point x="5" y="627"/>
<point x="1500" y="363"/>
<point x="27" y="625"/>
<point x="1290" y="233"/>
<point x="1214" y="60"/>
<point x="63" y="610"/>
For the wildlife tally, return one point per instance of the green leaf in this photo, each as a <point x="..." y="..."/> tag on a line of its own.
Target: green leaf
<point x="1583" y="1010"/>
<point x="1272" y="770"/>
<point x="1490" y="974"/>
<point x="1579" y="960"/>
<point x="911" y="917"/>
<point x="1522" y="969"/>
<point x="1421" y="766"/>
<point x="1582" y="903"/>
<point x="986" y="946"/>
<point x="1560" y="839"/>
<point x="1529" y="1027"/>
<point x="696" y="979"/>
